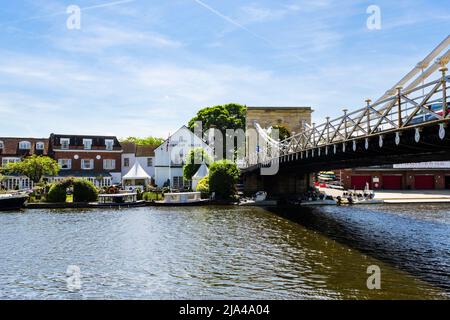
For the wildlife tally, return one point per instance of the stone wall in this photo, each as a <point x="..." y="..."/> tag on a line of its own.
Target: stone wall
<point x="291" y="118"/>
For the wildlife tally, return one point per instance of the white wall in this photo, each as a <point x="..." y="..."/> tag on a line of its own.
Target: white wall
<point x="141" y="160"/>
<point x="177" y="150"/>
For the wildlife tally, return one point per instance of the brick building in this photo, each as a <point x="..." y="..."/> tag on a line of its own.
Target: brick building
<point x="14" y="150"/>
<point x="95" y="158"/>
<point x="408" y="176"/>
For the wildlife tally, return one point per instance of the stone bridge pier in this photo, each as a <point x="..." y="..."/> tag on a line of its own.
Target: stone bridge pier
<point x="281" y="185"/>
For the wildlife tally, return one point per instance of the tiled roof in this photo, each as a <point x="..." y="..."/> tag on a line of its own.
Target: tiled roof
<point x="145" y="151"/>
<point x="11" y="146"/>
<point x="128" y="147"/>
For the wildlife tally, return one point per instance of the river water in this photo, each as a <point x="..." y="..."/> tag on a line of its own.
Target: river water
<point x="226" y="253"/>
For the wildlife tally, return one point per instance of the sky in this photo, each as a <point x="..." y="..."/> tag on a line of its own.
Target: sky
<point x="145" y="67"/>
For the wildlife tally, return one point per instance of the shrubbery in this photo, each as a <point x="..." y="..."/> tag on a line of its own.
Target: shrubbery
<point x="57" y="193"/>
<point x="203" y="185"/>
<point x="84" y="191"/>
<point x="223" y="176"/>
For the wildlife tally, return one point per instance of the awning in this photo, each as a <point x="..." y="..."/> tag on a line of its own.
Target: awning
<point x="136" y="173"/>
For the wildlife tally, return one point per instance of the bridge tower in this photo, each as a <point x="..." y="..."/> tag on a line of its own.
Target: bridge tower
<point x="292" y="118"/>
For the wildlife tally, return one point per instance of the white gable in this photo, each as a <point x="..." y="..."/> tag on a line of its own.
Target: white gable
<point x="178" y="146"/>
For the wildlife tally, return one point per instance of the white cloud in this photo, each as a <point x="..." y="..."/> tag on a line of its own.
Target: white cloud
<point x="97" y="38"/>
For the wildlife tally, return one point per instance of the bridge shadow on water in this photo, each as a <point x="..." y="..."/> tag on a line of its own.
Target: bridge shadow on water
<point x="413" y="243"/>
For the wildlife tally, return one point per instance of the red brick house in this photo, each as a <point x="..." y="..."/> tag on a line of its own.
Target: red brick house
<point x="408" y="176"/>
<point x="13" y="149"/>
<point x="96" y="158"/>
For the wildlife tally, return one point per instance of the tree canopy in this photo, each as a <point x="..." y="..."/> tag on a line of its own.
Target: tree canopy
<point x="148" y="141"/>
<point x="227" y="116"/>
<point x="193" y="162"/>
<point x="34" y="167"/>
<point x="222" y="117"/>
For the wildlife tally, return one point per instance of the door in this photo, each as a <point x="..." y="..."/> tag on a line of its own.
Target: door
<point x="447" y="182"/>
<point x="359" y="182"/>
<point x="392" y="182"/>
<point x="423" y="182"/>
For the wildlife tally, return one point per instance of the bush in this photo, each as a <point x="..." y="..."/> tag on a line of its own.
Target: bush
<point x="57" y="193"/>
<point x="193" y="162"/>
<point x="223" y="176"/>
<point x="84" y="191"/>
<point x="149" y="196"/>
<point x="203" y="185"/>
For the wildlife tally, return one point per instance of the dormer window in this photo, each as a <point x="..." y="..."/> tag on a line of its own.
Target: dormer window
<point x="87" y="143"/>
<point x="2" y="145"/>
<point x="39" y="146"/>
<point x="109" y="143"/>
<point x="25" y="145"/>
<point x="65" y="143"/>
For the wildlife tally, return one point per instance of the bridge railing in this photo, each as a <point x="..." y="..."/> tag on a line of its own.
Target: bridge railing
<point x="412" y="108"/>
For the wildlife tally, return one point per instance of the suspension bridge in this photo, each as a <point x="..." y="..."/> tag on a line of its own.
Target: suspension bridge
<point x="409" y="123"/>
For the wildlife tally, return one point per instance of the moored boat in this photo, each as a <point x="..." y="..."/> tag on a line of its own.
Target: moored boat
<point x="11" y="201"/>
<point x="118" y="200"/>
<point x="181" y="199"/>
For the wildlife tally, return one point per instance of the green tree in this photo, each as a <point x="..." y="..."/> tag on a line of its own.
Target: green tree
<point x="193" y="162"/>
<point x="34" y="167"/>
<point x="223" y="176"/>
<point x="222" y="117"/>
<point x="228" y="116"/>
<point x="148" y="141"/>
<point x="283" y="132"/>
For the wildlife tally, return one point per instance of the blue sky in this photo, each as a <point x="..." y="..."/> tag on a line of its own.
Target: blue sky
<point x="145" y="67"/>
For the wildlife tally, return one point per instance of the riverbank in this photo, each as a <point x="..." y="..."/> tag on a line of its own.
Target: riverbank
<point x="413" y="196"/>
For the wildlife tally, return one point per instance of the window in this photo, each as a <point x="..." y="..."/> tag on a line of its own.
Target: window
<point x="65" y="143"/>
<point x="87" y="143"/>
<point x="87" y="164"/>
<point x="65" y="164"/>
<point x="178" y="182"/>
<point x="126" y="162"/>
<point x="39" y="146"/>
<point x="109" y="164"/>
<point x="24" y="145"/>
<point x="2" y="145"/>
<point x="5" y="161"/>
<point x="109" y="143"/>
<point x="149" y="162"/>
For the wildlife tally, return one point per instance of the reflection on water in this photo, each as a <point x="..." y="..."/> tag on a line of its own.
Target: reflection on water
<point x="226" y="253"/>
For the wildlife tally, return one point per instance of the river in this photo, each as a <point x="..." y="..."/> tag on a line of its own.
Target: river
<point x="226" y="253"/>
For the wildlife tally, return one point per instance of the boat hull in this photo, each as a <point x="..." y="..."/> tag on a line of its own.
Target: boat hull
<point x="118" y="205"/>
<point x="178" y="204"/>
<point x="12" y="203"/>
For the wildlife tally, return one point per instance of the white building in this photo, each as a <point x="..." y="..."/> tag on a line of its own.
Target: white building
<point x="171" y="154"/>
<point x="144" y="155"/>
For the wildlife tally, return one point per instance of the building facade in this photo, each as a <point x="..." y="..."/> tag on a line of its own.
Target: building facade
<point x="95" y="158"/>
<point x="408" y="176"/>
<point x="170" y="157"/>
<point x="144" y="155"/>
<point x="14" y="150"/>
